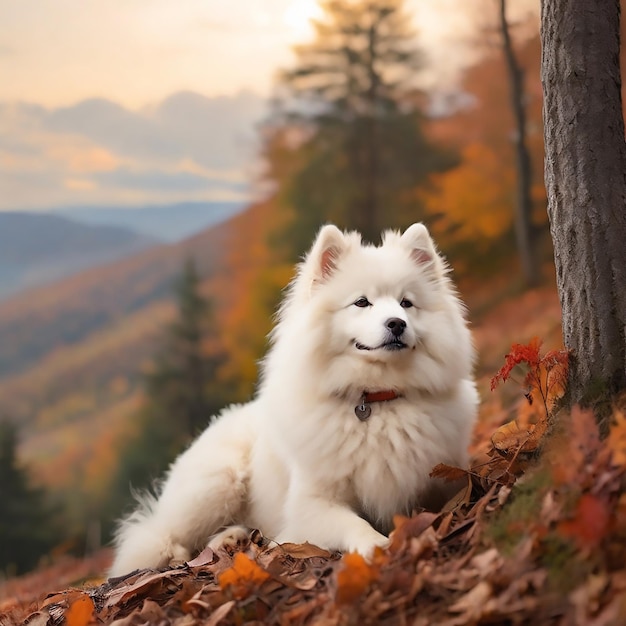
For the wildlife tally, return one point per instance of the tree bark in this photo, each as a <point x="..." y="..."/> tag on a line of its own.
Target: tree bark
<point x="585" y="175"/>
<point x="523" y="207"/>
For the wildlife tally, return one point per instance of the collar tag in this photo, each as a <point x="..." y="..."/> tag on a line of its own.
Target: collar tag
<point x="363" y="410"/>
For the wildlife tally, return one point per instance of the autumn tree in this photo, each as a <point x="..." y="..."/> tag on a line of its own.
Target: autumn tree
<point x="471" y="207"/>
<point x="524" y="232"/>
<point x="27" y="531"/>
<point x="352" y="94"/>
<point x="585" y="173"/>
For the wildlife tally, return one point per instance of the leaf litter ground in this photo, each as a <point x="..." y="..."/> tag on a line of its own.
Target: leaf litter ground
<point x="536" y="535"/>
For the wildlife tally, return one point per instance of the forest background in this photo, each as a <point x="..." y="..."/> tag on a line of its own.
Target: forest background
<point x="95" y="370"/>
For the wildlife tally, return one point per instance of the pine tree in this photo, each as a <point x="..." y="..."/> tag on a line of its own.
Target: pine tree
<point x="182" y="383"/>
<point x="27" y="531"/>
<point x="182" y="392"/>
<point x="352" y="92"/>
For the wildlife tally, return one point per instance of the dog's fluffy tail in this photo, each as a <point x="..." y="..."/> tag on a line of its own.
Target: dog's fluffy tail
<point x="206" y="488"/>
<point x="141" y="541"/>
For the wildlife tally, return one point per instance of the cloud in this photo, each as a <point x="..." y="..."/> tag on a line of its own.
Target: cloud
<point x="160" y="180"/>
<point x="188" y="147"/>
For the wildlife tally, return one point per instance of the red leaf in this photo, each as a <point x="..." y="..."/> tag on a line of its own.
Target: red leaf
<point x="519" y="353"/>
<point x="590" y="522"/>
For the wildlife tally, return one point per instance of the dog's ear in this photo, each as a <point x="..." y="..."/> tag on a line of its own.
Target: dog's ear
<point x="421" y="247"/>
<point x="326" y="250"/>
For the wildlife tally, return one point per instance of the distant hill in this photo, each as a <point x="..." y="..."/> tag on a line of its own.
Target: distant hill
<point x="169" y="223"/>
<point x="73" y="351"/>
<point x="36" y="249"/>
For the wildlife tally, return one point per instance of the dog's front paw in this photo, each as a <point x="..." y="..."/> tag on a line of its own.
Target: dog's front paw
<point x="366" y="543"/>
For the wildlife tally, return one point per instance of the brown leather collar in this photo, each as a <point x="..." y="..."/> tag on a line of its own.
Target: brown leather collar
<point x="363" y="410"/>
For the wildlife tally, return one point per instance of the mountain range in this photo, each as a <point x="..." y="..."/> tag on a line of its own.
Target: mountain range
<point x="36" y="249"/>
<point x="168" y="222"/>
<point x="73" y="351"/>
<point x="39" y="248"/>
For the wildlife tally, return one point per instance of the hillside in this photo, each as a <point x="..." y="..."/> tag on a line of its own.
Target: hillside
<point x="37" y="249"/>
<point x="73" y="351"/>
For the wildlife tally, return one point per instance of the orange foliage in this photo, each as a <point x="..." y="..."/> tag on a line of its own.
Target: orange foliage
<point x="590" y="522"/>
<point x="355" y="577"/>
<point x="617" y="437"/>
<point x="80" y="612"/>
<point x="475" y="200"/>
<point x="476" y="196"/>
<point x="244" y="575"/>
<point x="546" y="375"/>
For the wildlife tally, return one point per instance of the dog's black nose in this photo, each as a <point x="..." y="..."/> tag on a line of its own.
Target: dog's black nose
<point x="396" y="326"/>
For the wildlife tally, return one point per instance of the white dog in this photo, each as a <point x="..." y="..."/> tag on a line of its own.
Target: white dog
<point x="367" y="386"/>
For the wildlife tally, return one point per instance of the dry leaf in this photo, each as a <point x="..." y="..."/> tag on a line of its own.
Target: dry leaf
<point x="590" y="523"/>
<point x="242" y="576"/>
<point x="616" y="440"/>
<point x="449" y="473"/>
<point x="354" y="578"/>
<point x="512" y="439"/>
<point x="206" y="557"/>
<point x="219" y="614"/>
<point x="304" y="550"/>
<point x="472" y="604"/>
<point x="80" y="611"/>
<point x="407" y="527"/>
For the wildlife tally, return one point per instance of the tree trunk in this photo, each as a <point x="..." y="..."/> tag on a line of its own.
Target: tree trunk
<point x="523" y="208"/>
<point x="585" y="174"/>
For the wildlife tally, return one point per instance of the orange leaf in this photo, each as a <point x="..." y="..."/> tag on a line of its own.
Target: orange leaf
<point x="616" y="440"/>
<point x="354" y="578"/>
<point x="80" y="612"/>
<point x="511" y="438"/>
<point x="570" y="448"/>
<point x="242" y="576"/>
<point x="590" y="522"/>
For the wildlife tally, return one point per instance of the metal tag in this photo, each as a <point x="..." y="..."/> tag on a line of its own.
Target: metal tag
<point x="363" y="411"/>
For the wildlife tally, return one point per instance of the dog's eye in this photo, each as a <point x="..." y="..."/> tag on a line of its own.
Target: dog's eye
<point x="406" y="304"/>
<point x="362" y="302"/>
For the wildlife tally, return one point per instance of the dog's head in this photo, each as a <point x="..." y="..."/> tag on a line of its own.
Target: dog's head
<point x="380" y="317"/>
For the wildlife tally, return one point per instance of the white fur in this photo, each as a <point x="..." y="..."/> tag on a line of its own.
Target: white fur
<point x="296" y="462"/>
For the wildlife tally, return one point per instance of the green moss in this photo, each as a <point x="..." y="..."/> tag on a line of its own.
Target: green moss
<point x="520" y="513"/>
<point x="560" y="558"/>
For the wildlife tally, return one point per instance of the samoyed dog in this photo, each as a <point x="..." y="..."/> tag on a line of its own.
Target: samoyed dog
<point x="367" y="386"/>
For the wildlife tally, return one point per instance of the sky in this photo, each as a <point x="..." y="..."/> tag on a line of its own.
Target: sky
<point x="133" y="102"/>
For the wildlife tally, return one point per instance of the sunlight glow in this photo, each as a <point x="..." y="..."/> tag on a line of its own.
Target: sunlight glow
<point x="298" y="15"/>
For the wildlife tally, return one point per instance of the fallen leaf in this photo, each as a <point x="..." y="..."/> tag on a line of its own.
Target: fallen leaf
<point x="219" y="614"/>
<point x="408" y="527"/>
<point x="354" y="578"/>
<point x="616" y="441"/>
<point x="472" y="604"/>
<point x="145" y="583"/>
<point x="80" y="611"/>
<point x="206" y="557"/>
<point x="304" y="550"/>
<point x="449" y="473"/>
<point x="512" y="439"/>
<point x="242" y="576"/>
<point x="590" y="523"/>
